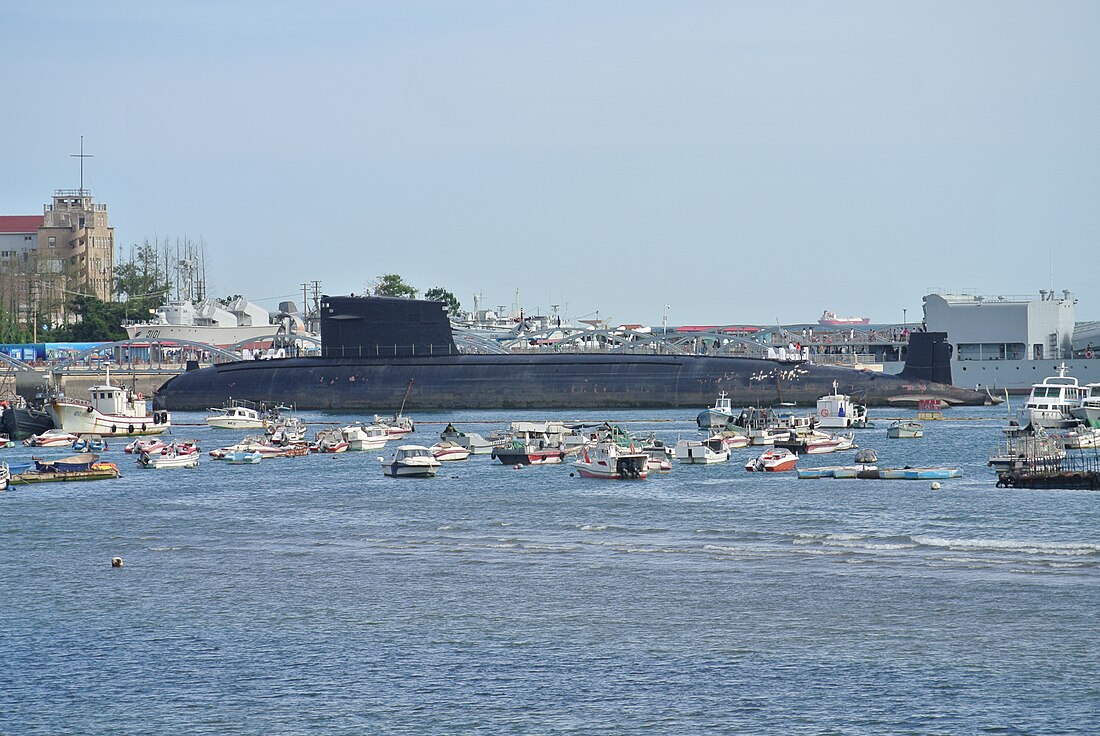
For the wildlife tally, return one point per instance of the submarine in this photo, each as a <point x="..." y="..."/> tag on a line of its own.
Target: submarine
<point x="380" y="352"/>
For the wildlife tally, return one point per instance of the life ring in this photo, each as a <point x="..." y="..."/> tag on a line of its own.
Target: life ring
<point x="1088" y="354"/>
<point x="140" y="397"/>
<point x="824" y="412"/>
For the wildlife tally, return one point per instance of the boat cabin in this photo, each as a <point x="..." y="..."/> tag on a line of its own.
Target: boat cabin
<point x="117" y="401"/>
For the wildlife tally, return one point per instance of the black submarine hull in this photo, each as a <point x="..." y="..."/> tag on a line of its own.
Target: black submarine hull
<point x="564" y="381"/>
<point x="378" y="350"/>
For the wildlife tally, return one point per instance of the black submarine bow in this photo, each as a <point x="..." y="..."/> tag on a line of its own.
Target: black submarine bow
<point x="372" y="347"/>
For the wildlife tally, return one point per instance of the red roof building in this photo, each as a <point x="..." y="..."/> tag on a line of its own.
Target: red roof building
<point x="19" y="224"/>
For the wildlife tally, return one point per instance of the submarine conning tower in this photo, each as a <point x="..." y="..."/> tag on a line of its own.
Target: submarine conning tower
<point x="382" y="326"/>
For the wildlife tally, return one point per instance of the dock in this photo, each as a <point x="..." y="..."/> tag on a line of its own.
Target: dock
<point x="1075" y="472"/>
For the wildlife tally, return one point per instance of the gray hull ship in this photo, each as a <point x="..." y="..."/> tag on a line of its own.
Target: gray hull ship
<point x="374" y="349"/>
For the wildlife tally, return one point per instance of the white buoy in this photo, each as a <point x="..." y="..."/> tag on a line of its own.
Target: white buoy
<point x="935" y="485"/>
<point x="116" y="562"/>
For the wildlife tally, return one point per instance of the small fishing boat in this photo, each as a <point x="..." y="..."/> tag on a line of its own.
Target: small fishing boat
<point x="411" y="461"/>
<point x="838" y="411"/>
<point x="717" y="416"/>
<point x="83" y="461"/>
<point x="702" y="452"/>
<point x="774" y="460"/>
<point x="905" y="429"/>
<point x="113" y="411"/>
<point x="5" y="476"/>
<point x="6" y="441"/>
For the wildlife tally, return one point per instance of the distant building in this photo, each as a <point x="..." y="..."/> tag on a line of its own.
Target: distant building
<point x="49" y="258"/>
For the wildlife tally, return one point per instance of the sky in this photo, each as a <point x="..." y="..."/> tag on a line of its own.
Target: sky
<point x="739" y="162"/>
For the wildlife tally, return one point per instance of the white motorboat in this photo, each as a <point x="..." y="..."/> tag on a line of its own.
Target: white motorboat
<point x="1052" y="402"/>
<point x="112" y="411"/>
<point x="139" y="446"/>
<point x="838" y="411"/>
<point x="286" y="430"/>
<point x="774" y="460"/>
<point x="5" y="476"/>
<point x="330" y="441"/>
<point x="236" y="415"/>
<point x="702" y="452"/>
<point x="1089" y="411"/>
<point x="411" y="461"/>
<point x="905" y="429"/>
<point x="446" y="451"/>
<point x="51" y="438"/>
<point x="173" y="456"/>
<point x="660" y="455"/>
<point x="608" y="460"/>
<point x="717" y="416"/>
<point x="362" y="437"/>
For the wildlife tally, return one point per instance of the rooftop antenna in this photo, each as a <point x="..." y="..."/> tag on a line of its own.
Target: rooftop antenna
<point x="81" y="156"/>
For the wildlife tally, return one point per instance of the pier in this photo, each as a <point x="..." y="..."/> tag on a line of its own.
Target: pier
<point x="1076" y="471"/>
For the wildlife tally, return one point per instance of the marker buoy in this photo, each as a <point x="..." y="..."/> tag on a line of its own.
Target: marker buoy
<point x="935" y="486"/>
<point x="116" y="562"/>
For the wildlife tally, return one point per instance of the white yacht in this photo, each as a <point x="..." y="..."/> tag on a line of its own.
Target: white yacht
<point x="1052" y="402"/>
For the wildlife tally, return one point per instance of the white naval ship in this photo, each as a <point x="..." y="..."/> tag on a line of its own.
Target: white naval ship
<point x="214" y="323"/>
<point x="1010" y="343"/>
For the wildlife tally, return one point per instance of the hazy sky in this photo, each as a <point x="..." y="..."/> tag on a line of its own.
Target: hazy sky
<point x="738" y="161"/>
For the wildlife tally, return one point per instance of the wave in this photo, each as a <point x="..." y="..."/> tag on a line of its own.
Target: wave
<point x="1008" y="545"/>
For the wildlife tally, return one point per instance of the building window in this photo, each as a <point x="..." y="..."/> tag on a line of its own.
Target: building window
<point x="53" y="242"/>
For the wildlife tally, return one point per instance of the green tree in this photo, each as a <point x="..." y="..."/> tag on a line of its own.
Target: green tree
<point x="10" y="331"/>
<point x="390" y="284"/>
<point x="439" y="294"/>
<point x="99" y="321"/>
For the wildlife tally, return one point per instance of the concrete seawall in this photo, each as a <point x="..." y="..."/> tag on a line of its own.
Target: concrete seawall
<point x="31" y="384"/>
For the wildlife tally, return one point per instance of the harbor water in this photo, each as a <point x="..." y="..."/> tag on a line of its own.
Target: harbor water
<point x="314" y="595"/>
